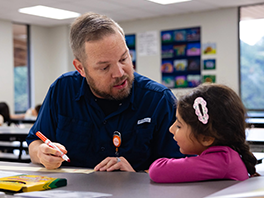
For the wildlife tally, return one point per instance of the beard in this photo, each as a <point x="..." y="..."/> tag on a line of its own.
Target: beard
<point x="120" y="95"/>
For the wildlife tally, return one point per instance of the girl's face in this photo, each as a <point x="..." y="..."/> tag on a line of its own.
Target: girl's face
<point x="183" y="135"/>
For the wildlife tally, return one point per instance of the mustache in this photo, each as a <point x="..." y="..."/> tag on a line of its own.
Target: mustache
<point x="121" y="79"/>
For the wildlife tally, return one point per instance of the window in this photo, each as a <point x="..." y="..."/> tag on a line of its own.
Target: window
<point x="251" y="35"/>
<point x="21" y="68"/>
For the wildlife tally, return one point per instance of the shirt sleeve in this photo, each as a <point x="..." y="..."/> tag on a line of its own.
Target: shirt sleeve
<point x="46" y="118"/>
<point x="189" y="169"/>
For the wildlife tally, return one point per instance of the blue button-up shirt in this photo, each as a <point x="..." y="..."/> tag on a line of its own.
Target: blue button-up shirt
<point x="70" y="115"/>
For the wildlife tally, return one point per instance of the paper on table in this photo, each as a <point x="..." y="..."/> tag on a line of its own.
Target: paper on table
<point x="256" y="194"/>
<point x="62" y="193"/>
<point x="2" y="195"/>
<point x="252" y="187"/>
<point x="8" y="173"/>
<point x="28" y="168"/>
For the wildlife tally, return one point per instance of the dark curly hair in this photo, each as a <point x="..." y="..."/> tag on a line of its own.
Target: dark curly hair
<point x="226" y="122"/>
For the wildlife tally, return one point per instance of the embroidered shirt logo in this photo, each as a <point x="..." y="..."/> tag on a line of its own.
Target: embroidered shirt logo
<point x="144" y="120"/>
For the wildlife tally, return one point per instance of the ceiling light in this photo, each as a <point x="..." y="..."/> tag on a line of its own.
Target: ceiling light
<point x="49" y="12"/>
<point x="165" y="2"/>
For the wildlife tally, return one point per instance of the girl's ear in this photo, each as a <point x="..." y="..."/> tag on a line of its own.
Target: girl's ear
<point x="207" y="141"/>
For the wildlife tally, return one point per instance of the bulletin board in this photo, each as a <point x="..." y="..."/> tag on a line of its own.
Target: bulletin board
<point x="181" y="57"/>
<point x="131" y="44"/>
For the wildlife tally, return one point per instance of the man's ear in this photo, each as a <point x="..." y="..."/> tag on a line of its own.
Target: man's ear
<point x="79" y="67"/>
<point x="207" y="140"/>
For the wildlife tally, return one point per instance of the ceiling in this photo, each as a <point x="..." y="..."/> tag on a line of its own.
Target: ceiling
<point x="119" y="10"/>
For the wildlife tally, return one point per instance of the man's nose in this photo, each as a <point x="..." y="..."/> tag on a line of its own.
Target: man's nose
<point x="118" y="71"/>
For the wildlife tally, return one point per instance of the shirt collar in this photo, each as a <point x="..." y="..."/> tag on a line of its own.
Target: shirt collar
<point x="84" y="88"/>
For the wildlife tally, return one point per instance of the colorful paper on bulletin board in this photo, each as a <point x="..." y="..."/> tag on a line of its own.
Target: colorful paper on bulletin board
<point x="193" y="34"/>
<point x="180" y="35"/>
<point x="167" y="51"/>
<point x="167" y="66"/>
<point x="130" y="40"/>
<point x="209" y="64"/>
<point x="167" y="36"/>
<point x="168" y="81"/>
<point x="193" y="49"/>
<point x="181" y="81"/>
<point x="193" y="65"/>
<point x="193" y="80"/>
<point x="131" y="44"/>
<point x="185" y="59"/>
<point x="179" y="50"/>
<point x="209" y="78"/>
<point x="132" y="54"/>
<point x="209" y="48"/>
<point x="180" y="64"/>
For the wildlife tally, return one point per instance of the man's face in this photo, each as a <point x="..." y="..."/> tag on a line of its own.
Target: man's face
<point x="108" y="67"/>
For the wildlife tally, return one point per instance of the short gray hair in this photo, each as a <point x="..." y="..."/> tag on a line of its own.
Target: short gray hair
<point x="90" y="27"/>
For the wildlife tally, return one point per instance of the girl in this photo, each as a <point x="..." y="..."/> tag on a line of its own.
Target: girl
<point x="210" y="123"/>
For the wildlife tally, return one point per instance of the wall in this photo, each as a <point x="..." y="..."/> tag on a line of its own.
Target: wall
<point x="51" y="55"/>
<point x="40" y="64"/>
<point x="6" y="64"/>
<point x="50" y="58"/>
<point x="219" y="26"/>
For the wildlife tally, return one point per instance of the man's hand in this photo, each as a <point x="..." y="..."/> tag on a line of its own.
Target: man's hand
<point x="114" y="163"/>
<point x="49" y="157"/>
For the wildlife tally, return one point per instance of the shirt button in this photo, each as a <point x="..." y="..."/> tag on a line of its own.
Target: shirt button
<point x="102" y="148"/>
<point x="120" y="104"/>
<point x="105" y="121"/>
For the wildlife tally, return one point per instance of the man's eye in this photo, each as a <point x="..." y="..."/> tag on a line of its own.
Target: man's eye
<point x="178" y="126"/>
<point x="105" y="68"/>
<point x="123" y="59"/>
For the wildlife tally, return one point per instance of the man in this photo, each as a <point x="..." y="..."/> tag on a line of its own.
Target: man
<point x="83" y="110"/>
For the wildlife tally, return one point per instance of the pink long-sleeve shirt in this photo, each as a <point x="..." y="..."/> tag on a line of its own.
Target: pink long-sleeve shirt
<point x="216" y="162"/>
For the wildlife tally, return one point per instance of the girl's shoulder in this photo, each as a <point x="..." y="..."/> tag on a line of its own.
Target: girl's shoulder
<point x="224" y="151"/>
<point x="219" y="149"/>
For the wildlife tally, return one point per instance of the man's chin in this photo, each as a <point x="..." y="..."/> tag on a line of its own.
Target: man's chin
<point x="121" y="94"/>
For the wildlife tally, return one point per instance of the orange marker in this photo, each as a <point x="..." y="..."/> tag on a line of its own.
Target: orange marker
<point x="50" y="144"/>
